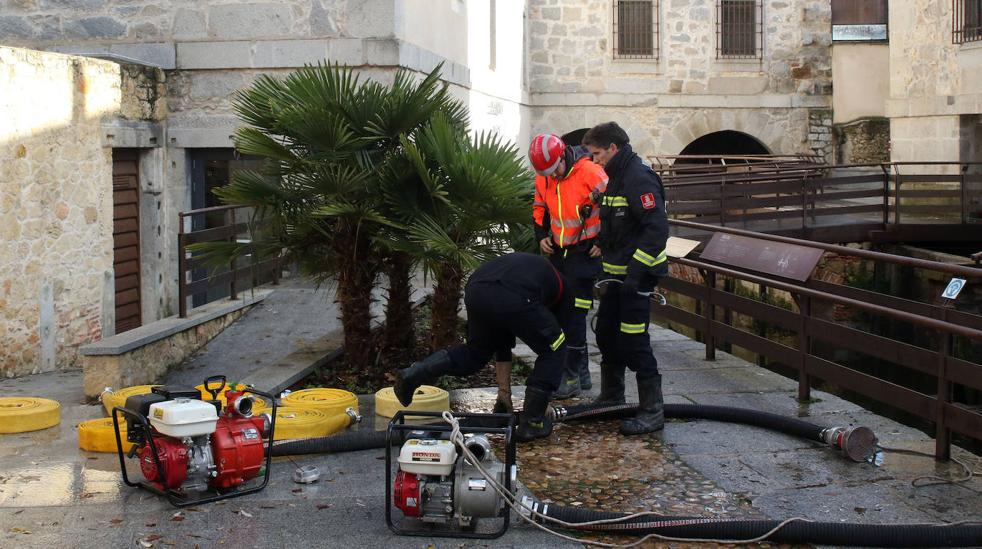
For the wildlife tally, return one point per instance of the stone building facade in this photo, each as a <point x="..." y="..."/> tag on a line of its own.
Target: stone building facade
<point x="781" y="99"/>
<point x="935" y="84"/>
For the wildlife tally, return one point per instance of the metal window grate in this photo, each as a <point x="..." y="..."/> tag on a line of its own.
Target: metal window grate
<point x="966" y="21"/>
<point x="739" y="29"/>
<point x="635" y="29"/>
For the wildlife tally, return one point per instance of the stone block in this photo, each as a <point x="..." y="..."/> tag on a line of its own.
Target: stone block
<point x="12" y="26"/>
<point x="81" y="5"/>
<point x="94" y="27"/>
<point x="381" y="52"/>
<point x="348" y="51"/>
<point x="189" y="24"/>
<point x="552" y="14"/>
<point x="289" y="53"/>
<point x="737" y="85"/>
<point x="370" y="19"/>
<point x="323" y="20"/>
<point x="249" y="21"/>
<point x="213" y="55"/>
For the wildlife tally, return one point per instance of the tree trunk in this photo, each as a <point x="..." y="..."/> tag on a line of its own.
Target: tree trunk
<point x="398" y="343"/>
<point x="446" y="303"/>
<point x="355" y="281"/>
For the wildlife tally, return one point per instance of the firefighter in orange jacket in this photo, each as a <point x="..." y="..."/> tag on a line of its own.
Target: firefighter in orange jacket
<point x="567" y="221"/>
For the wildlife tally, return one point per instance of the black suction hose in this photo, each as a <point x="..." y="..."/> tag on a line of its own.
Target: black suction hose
<point x="791" y="426"/>
<point x="342" y="442"/>
<point x="822" y="533"/>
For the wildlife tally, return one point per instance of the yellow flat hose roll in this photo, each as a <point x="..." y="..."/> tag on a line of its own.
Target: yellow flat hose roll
<point x="329" y="401"/>
<point x="111" y="399"/>
<point x="426" y="399"/>
<point x="97" y="435"/>
<point x="294" y="422"/>
<point x="23" y="414"/>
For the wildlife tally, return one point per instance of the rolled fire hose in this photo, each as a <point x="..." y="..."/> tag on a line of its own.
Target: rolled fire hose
<point x="825" y="533"/>
<point x="98" y="435"/>
<point x="329" y="401"/>
<point x="426" y="399"/>
<point x="296" y="423"/>
<point x="110" y="398"/>
<point x="24" y="414"/>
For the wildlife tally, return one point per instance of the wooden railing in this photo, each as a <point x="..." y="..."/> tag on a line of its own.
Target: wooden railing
<point x="196" y="277"/>
<point x="713" y="287"/>
<point x="875" y="194"/>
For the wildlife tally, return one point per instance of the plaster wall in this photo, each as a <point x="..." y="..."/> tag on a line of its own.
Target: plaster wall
<point x="861" y="73"/>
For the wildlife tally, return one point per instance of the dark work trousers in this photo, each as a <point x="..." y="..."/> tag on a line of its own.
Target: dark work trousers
<point x="622" y="330"/>
<point x="495" y="317"/>
<point x="580" y="270"/>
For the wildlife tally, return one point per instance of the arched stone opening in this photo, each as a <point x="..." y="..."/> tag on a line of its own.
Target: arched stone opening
<point x="575" y="137"/>
<point x="723" y="143"/>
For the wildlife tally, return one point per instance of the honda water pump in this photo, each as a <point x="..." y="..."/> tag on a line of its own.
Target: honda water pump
<point x="196" y="451"/>
<point x="437" y="489"/>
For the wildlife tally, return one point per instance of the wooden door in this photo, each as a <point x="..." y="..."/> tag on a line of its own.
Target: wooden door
<point x="126" y="238"/>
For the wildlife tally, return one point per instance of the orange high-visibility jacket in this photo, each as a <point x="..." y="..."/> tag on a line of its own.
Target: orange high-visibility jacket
<point x="562" y="201"/>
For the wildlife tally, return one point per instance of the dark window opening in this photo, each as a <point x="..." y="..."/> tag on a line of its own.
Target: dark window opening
<point x="635" y="29"/>
<point x="966" y="21"/>
<point x="739" y="29"/>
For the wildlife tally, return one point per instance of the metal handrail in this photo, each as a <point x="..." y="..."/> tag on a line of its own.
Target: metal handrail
<point x="949" y="268"/>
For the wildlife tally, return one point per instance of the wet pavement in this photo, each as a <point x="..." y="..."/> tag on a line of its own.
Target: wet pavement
<point x="52" y="494"/>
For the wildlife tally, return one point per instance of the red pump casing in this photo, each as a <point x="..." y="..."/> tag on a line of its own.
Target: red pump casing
<point x="406" y="494"/>
<point x="237" y="444"/>
<point x="237" y="451"/>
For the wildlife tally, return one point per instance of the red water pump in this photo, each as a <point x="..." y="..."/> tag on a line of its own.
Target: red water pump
<point x="187" y="446"/>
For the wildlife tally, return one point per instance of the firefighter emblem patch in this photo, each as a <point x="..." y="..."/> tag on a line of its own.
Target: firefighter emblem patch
<point x="648" y="201"/>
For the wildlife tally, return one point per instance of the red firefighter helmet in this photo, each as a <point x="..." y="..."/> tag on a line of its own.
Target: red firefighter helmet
<point x="545" y="152"/>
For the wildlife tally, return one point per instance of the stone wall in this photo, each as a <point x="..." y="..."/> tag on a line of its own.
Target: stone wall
<point x="864" y="141"/>
<point x="148" y="363"/>
<point x="663" y="130"/>
<point x="933" y="82"/>
<point x="686" y="92"/>
<point x="56" y="214"/>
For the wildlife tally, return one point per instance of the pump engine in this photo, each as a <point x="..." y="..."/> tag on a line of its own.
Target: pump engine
<point x="437" y="484"/>
<point x="186" y="445"/>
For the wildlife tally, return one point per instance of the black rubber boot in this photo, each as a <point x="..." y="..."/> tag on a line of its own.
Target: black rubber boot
<point x="569" y="385"/>
<point x="611" y="385"/>
<point x="426" y="370"/>
<point x="586" y="383"/>
<point x="534" y="423"/>
<point x="651" y="409"/>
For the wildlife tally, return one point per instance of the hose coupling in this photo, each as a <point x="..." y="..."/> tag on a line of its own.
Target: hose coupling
<point x="558" y="413"/>
<point x="857" y="443"/>
<point x="353" y="416"/>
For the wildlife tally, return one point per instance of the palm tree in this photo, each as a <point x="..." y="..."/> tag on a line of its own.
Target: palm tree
<point x="330" y="140"/>
<point x="477" y="191"/>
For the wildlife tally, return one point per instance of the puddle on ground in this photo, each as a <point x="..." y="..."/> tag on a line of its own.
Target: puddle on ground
<point x="590" y="465"/>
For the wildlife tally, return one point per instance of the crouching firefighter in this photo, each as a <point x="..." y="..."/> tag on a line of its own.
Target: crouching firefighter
<point x="567" y="220"/>
<point x="516" y="295"/>
<point x="634" y="230"/>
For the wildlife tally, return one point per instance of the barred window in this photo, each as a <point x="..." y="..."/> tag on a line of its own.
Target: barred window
<point x="966" y="24"/>
<point x="739" y="29"/>
<point x="859" y="20"/>
<point x="635" y="29"/>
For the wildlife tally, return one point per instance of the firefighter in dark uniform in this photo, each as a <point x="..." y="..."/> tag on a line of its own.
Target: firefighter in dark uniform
<point x="633" y="233"/>
<point x="516" y="295"/>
